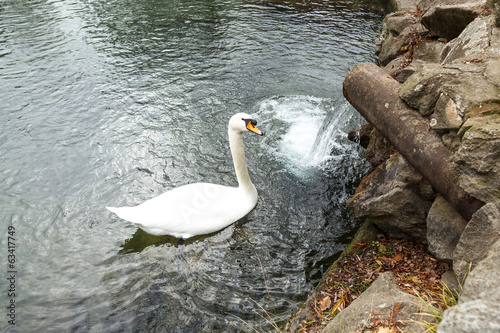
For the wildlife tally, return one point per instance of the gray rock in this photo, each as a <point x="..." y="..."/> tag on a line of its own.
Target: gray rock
<point x="496" y="6"/>
<point x="448" y="18"/>
<point x="468" y="88"/>
<point x="422" y="89"/>
<point x="361" y="134"/>
<point x="473" y="40"/>
<point x="479" y="305"/>
<point x="429" y="51"/>
<point x="470" y="75"/>
<point x="495" y="41"/>
<point x="449" y="280"/>
<point x="451" y="140"/>
<point x="396" y="65"/>
<point x="482" y="231"/>
<point x="396" y="198"/>
<point x="478" y="157"/>
<point x="472" y="317"/>
<point x="392" y="26"/>
<point x="391" y="44"/>
<point x="492" y="69"/>
<point x="426" y="5"/>
<point x="447" y="116"/>
<point x="397" y="22"/>
<point x="444" y="228"/>
<point x="406" y="5"/>
<point x="415" y="66"/>
<point x="390" y="48"/>
<point x="482" y="282"/>
<point x="377" y="148"/>
<point x="464" y="84"/>
<point x="377" y="302"/>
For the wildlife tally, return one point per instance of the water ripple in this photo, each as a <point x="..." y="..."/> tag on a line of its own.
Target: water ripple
<point x="114" y="102"/>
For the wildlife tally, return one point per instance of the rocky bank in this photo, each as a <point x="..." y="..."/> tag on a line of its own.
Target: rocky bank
<point x="446" y="54"/>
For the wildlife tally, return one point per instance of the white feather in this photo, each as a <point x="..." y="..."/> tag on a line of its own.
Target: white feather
<point x="200" y="208"/>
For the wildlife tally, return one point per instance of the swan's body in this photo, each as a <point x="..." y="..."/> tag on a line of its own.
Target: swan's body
<point x="200" y="208"/>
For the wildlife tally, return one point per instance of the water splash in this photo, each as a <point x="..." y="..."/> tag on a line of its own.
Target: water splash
<point x="308" y="133"/>
<point x="331" y="139"/>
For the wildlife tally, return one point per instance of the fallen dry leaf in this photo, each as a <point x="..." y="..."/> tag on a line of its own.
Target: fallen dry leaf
<point x="385" y="330"/>
<point x="413" y="268"/>
<point x="398" y="257"/>
<point x="325" y="303"/>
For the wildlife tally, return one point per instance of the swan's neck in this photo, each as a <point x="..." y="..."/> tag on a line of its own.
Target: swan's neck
<point x="240" y="165"/>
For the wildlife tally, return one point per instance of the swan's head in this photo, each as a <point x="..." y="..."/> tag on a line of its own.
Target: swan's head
<point x="243" y="122"/>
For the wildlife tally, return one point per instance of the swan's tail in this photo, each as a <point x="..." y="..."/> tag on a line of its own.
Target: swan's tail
<point x="126" y="213"/>
<point x="135" y="216"/>
<point x="115" y="210"/>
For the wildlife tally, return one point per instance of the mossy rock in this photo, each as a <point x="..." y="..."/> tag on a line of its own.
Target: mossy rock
<point x="484" y="108"/>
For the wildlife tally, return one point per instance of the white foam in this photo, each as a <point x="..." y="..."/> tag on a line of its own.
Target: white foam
<point x="293" y="123"/>
<point x="308" y="133"/>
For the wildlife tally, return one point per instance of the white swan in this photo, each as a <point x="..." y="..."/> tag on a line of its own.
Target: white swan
<point x="200" y="208"/>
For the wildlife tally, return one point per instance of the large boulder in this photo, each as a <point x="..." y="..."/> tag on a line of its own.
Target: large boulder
<point x="396" y="65"/>
<point x="448" y="18"/>
<point x="405" y="5"/>
<point x="361" y="134"/>
<point x="469" y="74"/>
<point x="447" y="114"/>
<point x="451" y="140"/>
<point x="444" y="228"/>
<point x="422" y="89"/>
<point x="382" y="301"/>
<point x="482" y="231"/>
<point x="461" y="92"/>
<point x="496" y="6"/>
<point x="396" y="198"/>
<point x="473" y="40"/>
<point x="478" y="309"/>
<point x="429" y="51"/>
<point x="481" y="316"/>
<point x="478" y="156"/>
<point x="492" y="67"/>
<point x="458" y="87"/>
<point x="482" y="283"/>
<point x="398" y="31"/>
<point x="415" y="66"/>
<point x="378" y="148"/>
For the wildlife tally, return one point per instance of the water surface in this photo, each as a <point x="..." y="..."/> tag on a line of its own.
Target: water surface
<point x="109" y="103"/>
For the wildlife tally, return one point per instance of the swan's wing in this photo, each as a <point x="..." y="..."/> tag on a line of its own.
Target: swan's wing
<point x="188" y="210"/>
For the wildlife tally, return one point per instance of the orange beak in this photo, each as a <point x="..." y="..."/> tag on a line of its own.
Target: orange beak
<point x="252" y="128"/>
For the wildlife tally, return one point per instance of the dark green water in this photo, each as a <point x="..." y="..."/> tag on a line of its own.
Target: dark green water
<point x="109" y="103"/>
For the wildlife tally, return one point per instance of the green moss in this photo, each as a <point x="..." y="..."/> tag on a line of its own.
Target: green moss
<point x="462" y="131"/>
<point x="488" y="107"/>
<point x="492" y="112"/>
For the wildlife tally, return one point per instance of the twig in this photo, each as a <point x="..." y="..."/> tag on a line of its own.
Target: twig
<point x="265" y="282"/>
<point x="235" y="316"/>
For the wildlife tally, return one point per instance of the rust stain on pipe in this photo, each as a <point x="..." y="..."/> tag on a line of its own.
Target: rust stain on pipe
<point x="375" y="95"/>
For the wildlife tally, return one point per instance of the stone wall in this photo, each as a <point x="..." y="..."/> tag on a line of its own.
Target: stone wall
<point x="446" y="54"/>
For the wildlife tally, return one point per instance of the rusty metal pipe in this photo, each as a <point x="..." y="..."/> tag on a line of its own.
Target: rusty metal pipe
<point x="375" y="95"/>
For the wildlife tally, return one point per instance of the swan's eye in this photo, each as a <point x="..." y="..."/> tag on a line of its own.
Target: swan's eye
<point x="250" y="121"/>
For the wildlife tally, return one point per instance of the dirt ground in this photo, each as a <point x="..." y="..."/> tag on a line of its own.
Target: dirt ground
<point x="414" y="269"/>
